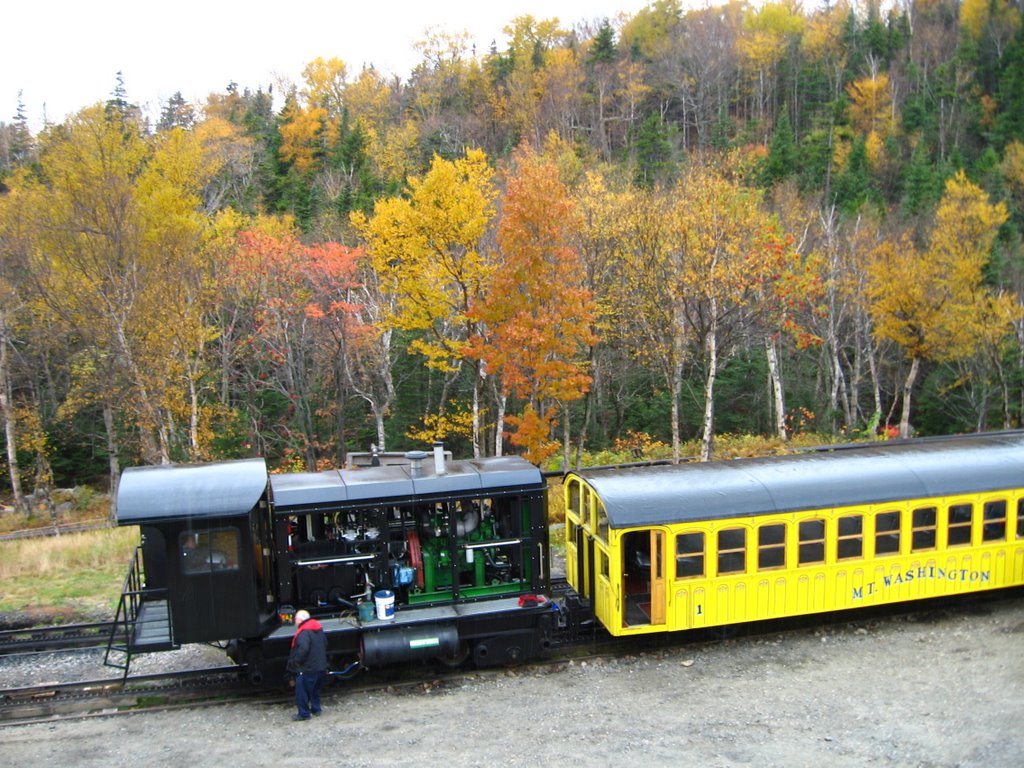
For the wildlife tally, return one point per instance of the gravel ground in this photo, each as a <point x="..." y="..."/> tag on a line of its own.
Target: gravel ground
<point x="935" y="688"/>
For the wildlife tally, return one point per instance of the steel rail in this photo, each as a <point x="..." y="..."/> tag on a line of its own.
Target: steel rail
<point x="54" y="638"/>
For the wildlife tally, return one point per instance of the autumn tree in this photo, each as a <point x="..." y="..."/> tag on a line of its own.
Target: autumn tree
<point x="601" y="203"/>
<point x="728" y="246"/>
<point x="650" y="298"/>
<point x="370" y="356"/>
<point x="266" y="273"/>
<point x="426" y="250"/>
<point x="13" y="257"/>
<point x="332" y="275"/>
<point x="769" y="29"/>
<point x="117" y="231"/>
<point x="933" y="303"/>
<point x="536" y="312"/>
<point x="788" y="294"/>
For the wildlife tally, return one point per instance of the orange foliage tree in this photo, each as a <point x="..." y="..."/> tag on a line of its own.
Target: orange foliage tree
<point x="335" y="306"/>
<point x="288" y="292"/>
<point x="537" y="314"/>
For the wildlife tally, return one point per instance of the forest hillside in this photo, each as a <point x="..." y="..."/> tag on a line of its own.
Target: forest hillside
<point x="760" y="219"/>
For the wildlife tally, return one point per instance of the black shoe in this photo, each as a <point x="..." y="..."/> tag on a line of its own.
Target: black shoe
<point x="300" y="717"/>
<point x="317" y="713"/>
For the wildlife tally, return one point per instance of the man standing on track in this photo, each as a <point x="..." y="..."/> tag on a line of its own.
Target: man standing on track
<point x="308" y="662"/>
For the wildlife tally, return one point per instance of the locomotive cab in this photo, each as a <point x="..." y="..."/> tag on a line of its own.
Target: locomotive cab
<point x="206" y="571"/>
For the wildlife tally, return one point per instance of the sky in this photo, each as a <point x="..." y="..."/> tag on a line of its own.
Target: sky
<point x="63" y="55"/>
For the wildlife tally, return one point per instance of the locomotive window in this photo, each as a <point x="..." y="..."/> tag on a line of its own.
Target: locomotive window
<point x="771" y="546"/>
<point x="994" y="521"/>
<point x="887" y="533"/>
<point x="812" y="541"/>
<point x="602" y="558"/>
<point x="960" y="517"/>
<point x="732" y="554"/>
<point x="585" y="509"/>
<point x="209" y="551"/>
<point x="851" y="537"/>
<point x="923" y="535"/>
<point x="689" y="555"/>
<point x="1020" y="518"/>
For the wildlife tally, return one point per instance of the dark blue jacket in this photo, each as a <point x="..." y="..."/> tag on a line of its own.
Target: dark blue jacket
<point x="309" y="648"/>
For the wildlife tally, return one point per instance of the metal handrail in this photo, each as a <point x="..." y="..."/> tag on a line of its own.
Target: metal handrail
<point x="126" y="619"/>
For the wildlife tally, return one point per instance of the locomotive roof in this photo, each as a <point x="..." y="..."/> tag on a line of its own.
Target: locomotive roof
<point x="305" y="490"/>
<point x="834" y="478"/>
<point x="220" y="489"/>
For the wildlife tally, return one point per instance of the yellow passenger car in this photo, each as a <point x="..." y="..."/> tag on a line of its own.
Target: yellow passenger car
<point x="664" y="548"/>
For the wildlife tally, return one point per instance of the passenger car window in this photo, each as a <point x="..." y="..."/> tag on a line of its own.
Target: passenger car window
<point x="994" y="521"/>
<point x="812" y="541"/>
<point x="960" y="517"/>
<point x="732" y="550"/>
<point x="887" y="533"/>
<point x="851" y="537"/>
<point x="602" y="521"/>
<point x="771" y="546"/>
<point x="923" y="535"/>
<point x="689" y="555"/>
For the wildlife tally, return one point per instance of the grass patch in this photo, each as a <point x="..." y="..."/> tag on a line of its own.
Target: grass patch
<point x="72" y="505"/>
<point x="79" y="574"/>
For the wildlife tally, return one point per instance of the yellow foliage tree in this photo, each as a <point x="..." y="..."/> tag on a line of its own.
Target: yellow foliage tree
<point x="325" y="85"/>
<point x="996" y="20"/>
<point x="305" y="134"/>
<point x="871" y="105"/>
<point x="729" y="249"/>
<point x="933" y="303"/>
<point x="426" y="251"/>
<point x="116" y="242"/>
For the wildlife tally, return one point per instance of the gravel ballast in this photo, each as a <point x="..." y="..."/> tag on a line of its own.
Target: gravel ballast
<point x="936" y="687"/>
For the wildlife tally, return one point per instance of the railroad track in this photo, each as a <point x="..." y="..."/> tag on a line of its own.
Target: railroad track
<point x="115" y="695"/>
<point x="206" y="687"/>
<point x="56" y="638"/>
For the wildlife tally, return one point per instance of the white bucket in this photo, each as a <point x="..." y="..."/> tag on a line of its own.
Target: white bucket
<point x="385" y="601"/>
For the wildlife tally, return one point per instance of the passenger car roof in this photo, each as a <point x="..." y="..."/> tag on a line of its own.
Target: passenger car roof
<point x="220" y="489"/>
<point x="843" y="477"/>
<point x="346" y="487"/>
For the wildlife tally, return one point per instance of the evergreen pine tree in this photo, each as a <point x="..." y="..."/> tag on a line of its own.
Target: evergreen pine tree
<point x="722" y="131"/>
<point x="782" y="158"/>
<point x="921" y="188"/>
<point x="177" y="113"/>
<point x="852" y="186"/>
<point x="21" y="144"/>
<point x="1010" y="120"/>
<point x="653" y="152"/>
<point x="120" y="109"/>
<point x="603" y="49"/>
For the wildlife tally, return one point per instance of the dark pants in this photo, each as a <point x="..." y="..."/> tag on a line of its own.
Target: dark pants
<point x="307" y="692"/>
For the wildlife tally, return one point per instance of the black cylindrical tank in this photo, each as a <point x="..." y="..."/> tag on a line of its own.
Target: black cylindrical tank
<point x="391" y="646"/>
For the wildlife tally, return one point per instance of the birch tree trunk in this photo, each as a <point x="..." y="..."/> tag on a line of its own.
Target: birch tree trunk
<point x="708" y="440"/>
<point x="477" y="378"/>
<point x="501" y="402"/>
<point x="114" y="463"/>
<point x="10" y="422"/>
<point x="908" y="388"/>
<point x="677" y="390"/>
<point x="776" y="380"/>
